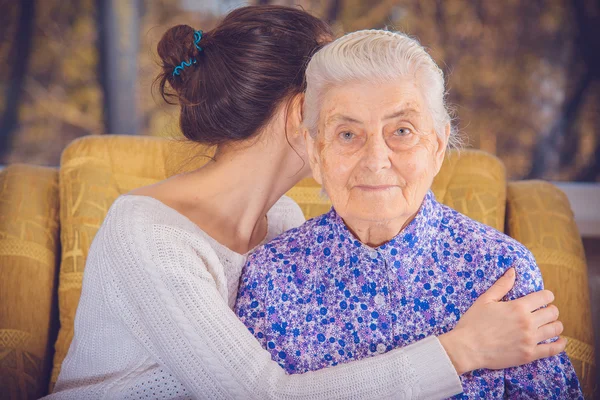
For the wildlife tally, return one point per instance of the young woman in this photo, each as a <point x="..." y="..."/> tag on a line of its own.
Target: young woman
<point x="155" y="319"/>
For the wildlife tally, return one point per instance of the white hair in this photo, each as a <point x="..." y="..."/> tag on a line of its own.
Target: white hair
<point x="378" y="55"/>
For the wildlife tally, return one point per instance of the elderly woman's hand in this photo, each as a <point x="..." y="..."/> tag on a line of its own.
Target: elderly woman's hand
<point x="494" y="334"/>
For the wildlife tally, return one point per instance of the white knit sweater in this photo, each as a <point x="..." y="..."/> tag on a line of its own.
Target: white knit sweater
<point x="155" y="321"/>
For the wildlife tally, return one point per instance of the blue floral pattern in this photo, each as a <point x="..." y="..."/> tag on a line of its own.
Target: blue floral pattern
<point x="316" y="296"/>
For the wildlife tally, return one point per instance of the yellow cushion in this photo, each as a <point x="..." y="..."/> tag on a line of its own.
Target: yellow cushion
<point x="474" y="183"/>
<point x="539" y="216"/>
<point x="28" y="266"/>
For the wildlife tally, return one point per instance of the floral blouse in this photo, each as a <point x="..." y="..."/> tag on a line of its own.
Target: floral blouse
<point x="316" y="296"/>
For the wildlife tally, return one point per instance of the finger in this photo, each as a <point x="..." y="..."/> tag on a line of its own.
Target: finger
<point x="549" y="349"/>
<point x="502" y="286"/>
<point x="545" y="315"/>
<point x="549" y="331"/>
<point x="536" y="300"/>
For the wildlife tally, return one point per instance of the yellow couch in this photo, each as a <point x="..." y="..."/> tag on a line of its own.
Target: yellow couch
<point x="41" y="273"/>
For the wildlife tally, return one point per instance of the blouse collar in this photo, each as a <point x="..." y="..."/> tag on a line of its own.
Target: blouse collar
<point x="418" y="231"/>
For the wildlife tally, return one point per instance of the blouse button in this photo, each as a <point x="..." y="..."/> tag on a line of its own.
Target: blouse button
<point x="381" y="348"/>
<point x="373" y="253"/>
<point x="379" y="299"/>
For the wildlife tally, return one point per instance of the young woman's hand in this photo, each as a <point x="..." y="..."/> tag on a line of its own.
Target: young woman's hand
<point x="498" y="334"/>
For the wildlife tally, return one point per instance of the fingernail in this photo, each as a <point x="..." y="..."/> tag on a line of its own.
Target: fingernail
<point x="510" y="273"/>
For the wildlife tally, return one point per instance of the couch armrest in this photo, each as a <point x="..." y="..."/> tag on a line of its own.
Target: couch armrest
<point x="29" y="246"/>
<point x="539" y="216"/>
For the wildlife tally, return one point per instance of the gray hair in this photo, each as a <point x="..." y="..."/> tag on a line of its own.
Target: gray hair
<point x="381" y="55"/>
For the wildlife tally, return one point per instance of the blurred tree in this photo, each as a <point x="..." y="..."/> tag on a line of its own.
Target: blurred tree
<point x="61" y="98"/>
<point x="19" y="55"/>
<point x="558" y="148"/>
<point x="523" y="75"/>
<point x="119" y="30"/>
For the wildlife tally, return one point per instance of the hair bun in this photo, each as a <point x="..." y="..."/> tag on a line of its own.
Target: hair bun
<point x="176" y="47"/>
<point x="246" y="66"/>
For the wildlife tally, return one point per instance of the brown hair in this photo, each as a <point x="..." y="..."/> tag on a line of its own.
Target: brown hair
<point x="254" y="59"/>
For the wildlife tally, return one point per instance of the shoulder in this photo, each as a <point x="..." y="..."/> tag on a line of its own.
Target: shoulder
<point x="291" y="244"/>
<point x="142" y="213"/>
<point x="463" y="230"/>
<point x="142" y="234"/>
<point x="489" y="252"/>
<point x="144" y="225"/>
<point x="286" y="203"/>
<point x="280" y="257"/>
<point x="285" y="214"/>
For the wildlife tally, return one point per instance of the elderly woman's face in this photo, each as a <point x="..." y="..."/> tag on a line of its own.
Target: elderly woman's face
<point x="376" y="152"/>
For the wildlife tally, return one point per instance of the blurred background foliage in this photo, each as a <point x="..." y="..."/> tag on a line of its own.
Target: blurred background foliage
<point x="523" y="75"/>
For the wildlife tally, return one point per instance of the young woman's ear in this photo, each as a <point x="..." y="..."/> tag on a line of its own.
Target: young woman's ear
<point x="311" y="151"/>
<point x="294" y="115"/>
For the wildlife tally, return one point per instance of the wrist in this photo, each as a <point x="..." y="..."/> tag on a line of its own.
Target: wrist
<point x="459" y="353"/>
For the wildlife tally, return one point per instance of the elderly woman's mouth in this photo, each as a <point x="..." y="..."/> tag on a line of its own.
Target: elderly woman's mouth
<point x="376" y="188"/>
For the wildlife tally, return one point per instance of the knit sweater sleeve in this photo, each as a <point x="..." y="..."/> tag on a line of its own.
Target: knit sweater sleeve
<point x="159" y="281"/>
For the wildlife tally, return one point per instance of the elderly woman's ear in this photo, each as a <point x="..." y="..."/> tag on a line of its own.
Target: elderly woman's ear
<point x="442" y="141"/>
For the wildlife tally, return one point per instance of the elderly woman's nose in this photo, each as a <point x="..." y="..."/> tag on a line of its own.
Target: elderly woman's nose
<point x="377" y="153"/>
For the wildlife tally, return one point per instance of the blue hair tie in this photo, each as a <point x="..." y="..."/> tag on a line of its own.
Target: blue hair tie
<point x="184" y="64"/>
<point x="197" y="38"/>
<point x="180" y="67"/>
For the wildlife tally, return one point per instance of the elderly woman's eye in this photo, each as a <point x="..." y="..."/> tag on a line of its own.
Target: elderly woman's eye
<point x="403" y="132"/>
<point x="346" y="135"/>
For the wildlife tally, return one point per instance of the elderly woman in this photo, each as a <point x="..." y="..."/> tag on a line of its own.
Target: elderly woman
<point x="388" y="265"/>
